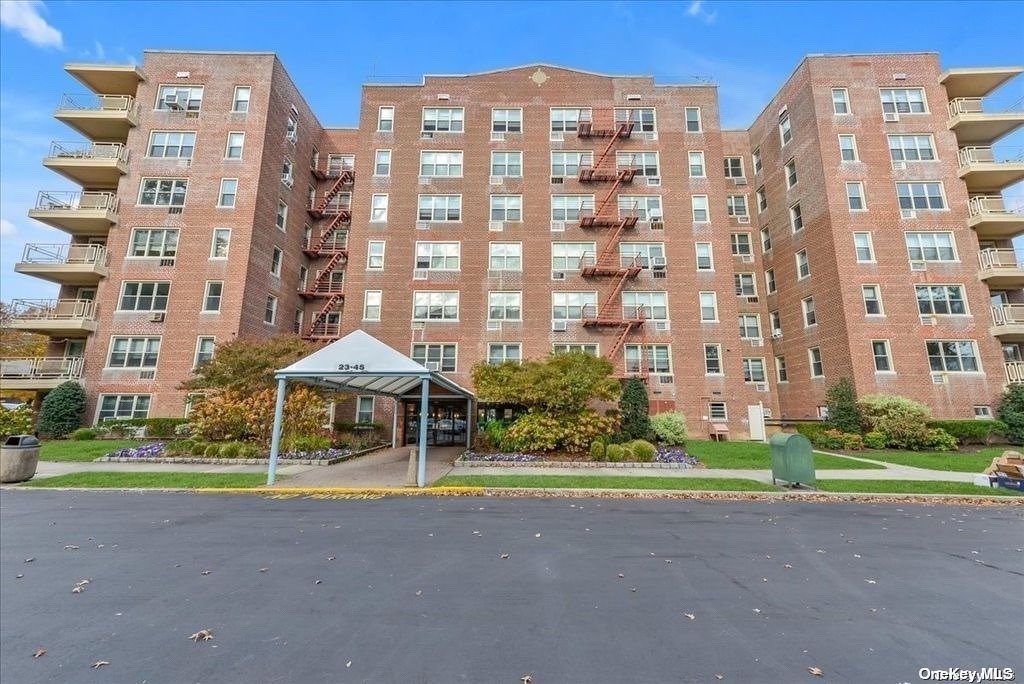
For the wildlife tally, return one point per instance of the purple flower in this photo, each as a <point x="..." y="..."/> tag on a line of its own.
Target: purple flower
<point x="154" y="450"/>
<point x="675" y="455"/>
<point x="500" y="458"/>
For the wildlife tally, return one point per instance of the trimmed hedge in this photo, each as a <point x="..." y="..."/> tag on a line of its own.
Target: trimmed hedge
<point x="970" y="431"/>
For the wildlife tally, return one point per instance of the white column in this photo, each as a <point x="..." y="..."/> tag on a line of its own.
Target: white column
<point x="275" y="436"/>
<point x="394" y="425"/>
<point x="421" y="473"/>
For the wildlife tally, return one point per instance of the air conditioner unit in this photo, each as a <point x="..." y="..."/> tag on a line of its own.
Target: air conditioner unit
<point x="747" y="258"/>
<point x="419" y="274"/>
<point x="558" y="226"/>
<point x="171" y="102"/>
<point x="650" y="136"/>
<point x="760" y="386"/>
<point x="557" y="180"/>
<point x="940" y="378"/>
<point x="184" y="163"/>
<point x="743" y="219"/>
<point x="890" y="117"/>
<point x="899" y="165"/>
<point x="423" y="180"/>
<point x="147" y="374"/>
<point x="918" y="265"/>
<point x="496" y="226"/>
<point x="444" y="96"/>
<point x="433" y="365"/>
<point x="167" y="262"/>
<point x="497" y="180"/>
<point x="657" y="225"/>
<point x="908" y="213"/>
<point x="662" y="326"/>
<point x="175" y="210"/>
<point x="653" y="181"/>
<point x="422" y="225"/>
<point x="659" y="263"/>
<point x="493" y="325"/>
<point x="776" y="334"/>
<point x="751" y="300"/>
<point x="929" y="320"/>
<point x="557" y="137"/>
<point x="497" y="136"/>
<point x="287" y="181"/>
<point x="426" y="135"/>
<point x="559" y="326"/>
<point x="291" y="136"/>
<point x="157" y="317"/>
<point x="756" y="342"/>
<point x="558" y="275"/>
<point x="494" y="273"/>
<point x="739" y="181"/>
<point x="418" y="325"/>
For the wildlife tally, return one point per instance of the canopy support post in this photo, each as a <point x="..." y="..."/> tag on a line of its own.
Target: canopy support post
<point x="394" y="424"/>
<point x="421" y="472"/>
<point x="275" y="436"/>
<point x="470" y="422"/>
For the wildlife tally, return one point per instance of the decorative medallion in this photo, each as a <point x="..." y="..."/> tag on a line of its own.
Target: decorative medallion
<point x="539" y="77"/>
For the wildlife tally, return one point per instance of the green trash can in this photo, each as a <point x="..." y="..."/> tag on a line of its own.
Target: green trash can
<point x="792" y="459"/>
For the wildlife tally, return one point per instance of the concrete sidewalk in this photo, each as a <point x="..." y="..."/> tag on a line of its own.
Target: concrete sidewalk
<point x="54" y="468"/>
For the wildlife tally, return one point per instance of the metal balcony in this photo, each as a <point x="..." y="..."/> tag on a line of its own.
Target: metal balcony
<point x="80" y="265"/>
<point x="1002" y="268"/>
<point x="973" y="124"/>
<point x="1008" y="322"/>
<point x="99" y="117"/>
<point x="986" y="172"/>
<point x="116" y="79"/>
<point x="91" y="165"/>
<point x="40" y="373"/>
<point x="84" y="214"/>
<point x="1015" y="371"/>
<point x="991" y="219"/>
<point x="54" y="317"/>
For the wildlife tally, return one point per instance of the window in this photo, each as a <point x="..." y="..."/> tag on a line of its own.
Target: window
<point x="505" y="256"/>
<point x="564" y="164"/>
<point x="574" y="348"/>
<point x="855" y="196"/>
<point x="163" y="192"/>
<point x="287" y="172"/>
<point x="872" y="296"/>
<point x="983" y="413"/>
<point x="133" y="352"/>
<point x="371" y="305"/>
<point x="568" y="306"/>
<point x="440" y="208"/>
<point x="744" y="283"/>
<point x="379" y="208"/>
<point x="708" y="307"/>
<point x="775" y="322"/>
<point x="144" y="296"/>
<point x="762" y="200"/>
<point x="382" y="163"/>
<point x="654" y="304"/>
<point x="504" y="306"/>
<point x="438" y="256"/>
<point x="785" y="129"/>
<point x="780" y="369"/>
<point x="240" y="102"/>
<point x="172" y="144"/>
<point x="563" y="119"/>
<point x="903" y="101"/>
<point x="641" y="252"/>
<point x="737" y="205"/>
<point x="734" y="167"/>
<point x="848" y="148"/>
<point x="291" y="130"/>
<point x="883" y="357"/>
<point x="941" y="300"/>
<point x="275" y="262"/>
<point x="810" y="317"/>
<point x="213" y="295"/>
<point x="504" y="352"/>
<point x="699" y="205"/>
<point x="281" y="220"/>
<point x="385" y="119"/>
<point x="179" y="98"/>
<point x="920" y="196"/>
<point x="297" y="321"/>
<point x="696" y="164"/>
<point x="654" y="358"/>
<point x="840" y="101"/>
<point x="717" y="410"/>
<point x="645" y="163"/>
<point x="204" y="350"/>
<point x="375" y="255"/>
<point x="766" y="240"/>
<point x="769" y="281"/>
<point x="507" y="164"/>
<point x="796" y="218"/>
<point x="712" y="359"/>
<point x="506" y="207"/>
<point x="642" y="118"/>
<point x="364" y="409"/>
<point x="566" y="256"/>
<point x="756" y="156"/>
<point x="441" y="354"/>
<point x="750" y="326"/>
<point x="911" y="148"/>
<point x="123" y="407"/>
<point x="740" y="244"/>
<point x="863" y="247"/>
<point x="443" y="119"/>
<point x="803" y="265"/>
<point x="443" y="164"/>
<point x="753" y="370"/>
<point x="790" y="170"/>
<point x="507" y="120"/>
<point x="705" y="256"/>
<point x="568" y="207"/>
<point x="435" y="306"/>
<point x="228" y="192"/>
<point x="953" y="356"/>
<point x="220" y="243"/>
<point x="814" y="356"/>
<point x="646" y="207"/>
<point x="159" y="243"/>
<point x="270" y="310"/>
<point x="693" y="120"/>
<point x="303" y="278"/>
<point x="236" y="141"/>
<point x="931" y="246"/>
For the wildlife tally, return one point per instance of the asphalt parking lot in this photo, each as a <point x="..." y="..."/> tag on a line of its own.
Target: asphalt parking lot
<point x="483" y="590"/>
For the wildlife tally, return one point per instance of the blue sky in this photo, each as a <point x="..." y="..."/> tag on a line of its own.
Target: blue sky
<point x="330" y="49"/>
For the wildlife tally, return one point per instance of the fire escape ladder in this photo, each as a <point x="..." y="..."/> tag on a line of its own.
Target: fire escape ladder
<point x="626" y="328"/>
<point x="324" y="275"/>
<point x="328" y="232"/>
<point x="335" y="188"/>
<point x="321" y="319"/>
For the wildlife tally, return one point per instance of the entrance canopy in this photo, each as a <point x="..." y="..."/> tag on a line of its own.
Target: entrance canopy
<point x="362" y="364"/>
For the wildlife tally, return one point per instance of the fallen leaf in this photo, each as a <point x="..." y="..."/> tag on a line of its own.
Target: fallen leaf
<point x="526" y="679"/>
<point x="871" y="581"/>
<point x="18" y="576"/>
<point x="205" y="572"/>
<point x="77" y="590"/>
<point x="504" y="556"/>
<point x="821" y="550"/>
<point x="856" y="555"/>
<point x="419" y="593"/>
<point x="816" y="671"/>
<point x="202" y="635"/>
<point x="348" y="664"/>
<point x="99" y="663"/>
<point x="621" y="575"/>
<point x="537" y="535"/>
<point x="788" y="566"/>
<point x="29" y="560"/>
<point x="757" y="610"/>
<point x="39" y="653"/>
<point x="690" y="615"/>
<point x="668" y="560"/>
<point x="264" y="569"/>
<point x="318" y="582"/>
<point x="331" y="558"/>
<point x="718" y="676"/>
<point x="70" y="547"/>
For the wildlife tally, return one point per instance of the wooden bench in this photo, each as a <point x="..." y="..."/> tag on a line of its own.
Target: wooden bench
<point x="719" y="432"/>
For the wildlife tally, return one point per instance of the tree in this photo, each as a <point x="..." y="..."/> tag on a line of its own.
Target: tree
<point x="559" y="384"/>
<point x="634" y="408"/>
<point x="62" y="410"/>
<point x="843" y="412"/>
<point x="247" y="366"/>
<point x="1011" y="412"/>
<point x="18" y="343"/>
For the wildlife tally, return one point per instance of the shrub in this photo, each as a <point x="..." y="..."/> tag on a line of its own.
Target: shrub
<point x="634" y="409"/>
<point x="15" y="421"/>
<point x="233" y="415"/>
<point x="540" y="432"/>
<point x="843" y="413"/>
<point x="874" y="440"/>
<point x="901" y="420"/>
<point x="162" y="428"/>
<point x="852" y="441"/>
<point x="812" y="431"/>
<point x="615" y="453"/>
<point x="829" y="439"/>
<point x="212" y="451"/>
<point x="670" y="428"/>
<point x="230" y="450"/>
<point x="62" y="410"/>
<point x="492" y="433"/>
<point x="307" y="443"/>
<point x="1011" y="413"/>
<point x="183" y="430"/>
<point x="248" y="451"/>
<point x="119" y="430"/>
<point x="199" y="448"/>
<point x="617" y="438"/>
<point x="642" y="450"/>
<point x="83" y="434"/>
<point x="580" y="429"/>
<point x="597" y="450"/>
<point x="940" y="440"/>
<point x="561" y="384"/>
<point x="178" y="447"/>
<point x="971" y="431"/>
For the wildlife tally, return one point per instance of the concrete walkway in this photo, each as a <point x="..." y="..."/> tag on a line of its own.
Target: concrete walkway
<point x="384" y="468"/>
<point x="54" y="468"/>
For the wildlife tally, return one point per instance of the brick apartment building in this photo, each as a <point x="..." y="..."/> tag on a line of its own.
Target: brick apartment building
<point x="855" y="229"/>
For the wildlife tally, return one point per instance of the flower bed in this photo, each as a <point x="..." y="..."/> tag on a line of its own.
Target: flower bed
<point x="666" y="457"/>
<point x="154" y="453"/>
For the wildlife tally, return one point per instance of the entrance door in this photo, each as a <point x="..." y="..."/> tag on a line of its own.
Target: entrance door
<point x="446" y="423"/>
<point x="755" y="415"/>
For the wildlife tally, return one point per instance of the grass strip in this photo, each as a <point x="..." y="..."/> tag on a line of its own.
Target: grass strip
<point x="119" y="480"/>
<point x="603" y="482"/>
<point x="910" y="487"/>
<point x="754" y="455"/>
<point x="84" y="450"/>
<point x="949" y="462"/>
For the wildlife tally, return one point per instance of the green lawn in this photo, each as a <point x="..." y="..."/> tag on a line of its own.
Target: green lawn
<point x="974" y="462"/>
<point x="756" y="455"/>
<point x="86" y="450"/>
<point x="117" y="480"/>
<point x="909" y="487"/>
<point x="603" y="482"/>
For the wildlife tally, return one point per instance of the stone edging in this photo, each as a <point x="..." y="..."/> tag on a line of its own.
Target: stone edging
<point x="570" y="464"/>
<point x="236" y="461"/>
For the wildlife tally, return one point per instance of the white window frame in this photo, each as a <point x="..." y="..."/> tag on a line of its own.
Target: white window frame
<point x="737" y="242"/>
<point x="796" y="214"/>
<point x="153" y="306"/>
<point x="654" y="302"/>
<point x="511" y="212"/>
<point x="359" y="417"/>
<point x="504" y="356"/>
<point x="567" y="163"/>
<point x="735" y="203"/>
<point x="766" y="240"/>
<point x="276" y="261"/>
<point x="809" y="313"/>
<point x="855" y="191"/>
<point x="172" y="193"/>
<point x="770" y="286"/>
<point x="876" y="292"/>
<point x="214" y="244"/>
<point x="431" y="203"/>
<point x="568" y="207"/>
<point x="893" y="106"/>
<point x="891" y="369"/>
<point x="281" y="219"/>
<point x="910" y="185"/>
<point x="853" y="147"/>
<point x="565" y="118"/>
<point x="379" y="207"/>
<point x="761" y="197"/>
<point x="756" y="162"/>
<point x="146" y="341"/>
<point x="505" y="300"/>
<point x="207" y="296"/>
<point x="946" y="299"/>
<point x="221" y="194"/>
<point x="701" y="166"/>
<point x="869" y="246"/>
<point x="572" y="300"/>
<point x="844" y="100"/>
<point x="740" y="282"/>
<point x="371" y="256"/>
<point x="781" y="372"/>
<point x="710" y="255"/>
<point x="181" y="140"/>
<point x="236" y="100"/>
<point x="504" y="123"/>
<point x="270" y="307"/>
<point x="975" y="355"/>
<point x="236" y="137"/>
<point x="455" y="120"/>
<point x="789" y="171"/>
<point x="744" y="325"/>
<point x="190" y="91"/>
<point x="381" y="118"/>
<point x="427" y="296"/>
<point x="920" y="236"/>
<point x="646" y="206"/>
<point x="687" y="120"/>
<point x="446" y="251"/>
<point x="199" y="349"/>
<point x="372" y="299"/>
<point x="750" y="370"/>
<point x="717" y="359"/>
<point x="450" y="160"/>
<point x="434" y="352"/>
<point x="899" y="147"/>
<point x="508" y="156"/>
<point x="657" y="356"/>
<point x="638" y="160"/>
<point x="695" y="201"/>
<point x="164" y="233"/>
<point x="708" y="300"/>
<point x="491" y="256"/>
<point x="803" y="265"/>
<point x="568" y="256"/>
<point x="813" y="352"/>
<point x="382" y="160"/>
<point x="132" y="415"/>
<point x="785" y="129"/>
<point x="593" y="349"/>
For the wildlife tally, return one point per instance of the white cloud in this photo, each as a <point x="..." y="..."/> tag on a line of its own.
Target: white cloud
<point x="7" y="229"/>
<point x="22" y="16"/>
<point x="696" y="9"/>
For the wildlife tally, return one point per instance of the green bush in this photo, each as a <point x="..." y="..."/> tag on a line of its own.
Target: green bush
<point x="492" y="433"/>
<point x="15" y="421"/>
<point x="874" y="440"/>
<point x="829" y="439"/>
<point x="163" y="428"/>
<point x="597" y="449"/>
<point x="573" y="432"/>
<point x="230" y="450"/>
<point x="634" y="409"/>
<point x="83" y="434"/>
<point x="812" y="431"/>
<point x="120" y="429"/>
<point x="177" y="447"/>
<point x="939" y="440"/>
<point x="1011" y="413"/>
<point x="183" y="430"/>
<point x="670" y="428"/>
<point x="852" y="441"/>
<point x="212" y="451"/>
<point x="901" y="420"/>
<point x="971" y="431"/>
<point x="307" y="443"/>
<point x="62" y="410"/>
<point x="615" y="453"/>
<point x="199" y="448"/>
<point x="617" y="438"/>
<point x="248" y="451"/>
<point x="642" y="450"/>
<point x="843" y="413"/>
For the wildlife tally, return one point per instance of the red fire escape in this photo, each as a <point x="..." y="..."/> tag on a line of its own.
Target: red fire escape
<point x="608" y="263"/>
<point x="332" y="211"/>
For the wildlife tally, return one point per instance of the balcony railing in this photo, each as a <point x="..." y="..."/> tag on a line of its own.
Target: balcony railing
<point x="98" y="103"/>
<point x="41" y="368"/>
<point x="336" y="243"/>
<point x="65" y="254"/>
<point x="1005" y="258"/>
<point x="987" y="155"/>
<point x="1015" y="371"/>
<point x="71" y="200"/>
<point x="985" y="205"/>
<point x="1008" y="314"/>
<point x="53" y="309"/>
<point x="85" y="150"/>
